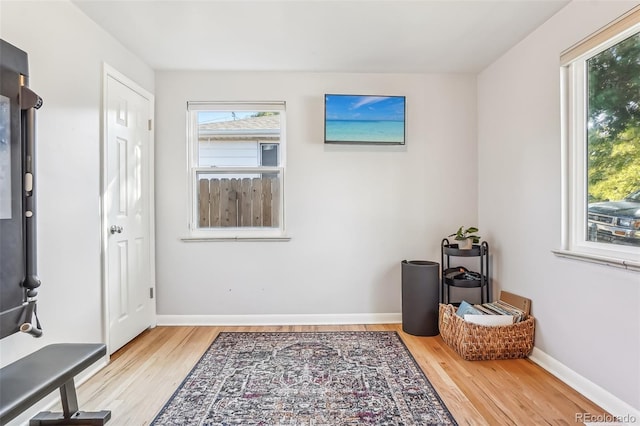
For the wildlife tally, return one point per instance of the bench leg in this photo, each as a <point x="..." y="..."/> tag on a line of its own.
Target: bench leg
<point x="98" y="418"/>
<point x="70" y="414"/>
<point x="69" y="399"/>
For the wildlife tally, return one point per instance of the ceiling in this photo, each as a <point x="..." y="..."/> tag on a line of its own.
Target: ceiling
<point x="380" y="36"/>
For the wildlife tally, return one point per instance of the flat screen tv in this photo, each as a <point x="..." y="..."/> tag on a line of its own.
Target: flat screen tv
<point x="364" y="119"/>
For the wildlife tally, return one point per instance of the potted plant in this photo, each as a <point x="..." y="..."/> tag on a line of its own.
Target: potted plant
<point x="466" y="237"/>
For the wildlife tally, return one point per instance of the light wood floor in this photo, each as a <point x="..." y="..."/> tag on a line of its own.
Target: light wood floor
<point x="143" y="375"/>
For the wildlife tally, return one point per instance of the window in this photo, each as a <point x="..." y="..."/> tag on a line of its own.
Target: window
<point x="601" y="145"/>
<point x="236" y="173"/>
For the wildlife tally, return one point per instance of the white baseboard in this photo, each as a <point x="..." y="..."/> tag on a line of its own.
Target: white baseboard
<point x="600" y="396"/>
<point x="289" y="319"/>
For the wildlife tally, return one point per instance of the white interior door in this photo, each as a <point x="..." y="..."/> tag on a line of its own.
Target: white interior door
<point x="128" y="207"/>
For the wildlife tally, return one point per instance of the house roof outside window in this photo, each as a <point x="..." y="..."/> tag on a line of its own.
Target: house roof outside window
<point x="262" y="128"/>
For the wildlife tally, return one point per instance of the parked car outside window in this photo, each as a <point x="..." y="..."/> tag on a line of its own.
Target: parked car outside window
<point x="616" y="222"/>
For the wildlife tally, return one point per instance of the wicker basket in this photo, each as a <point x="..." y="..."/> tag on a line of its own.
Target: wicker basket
<point x="478" y="342"/>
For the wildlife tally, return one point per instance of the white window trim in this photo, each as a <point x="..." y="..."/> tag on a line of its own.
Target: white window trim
<point x="197" y="234"/>
<point x="573" y="155"/>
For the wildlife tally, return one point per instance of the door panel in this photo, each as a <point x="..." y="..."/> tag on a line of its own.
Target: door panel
<point x="127" y="204"/>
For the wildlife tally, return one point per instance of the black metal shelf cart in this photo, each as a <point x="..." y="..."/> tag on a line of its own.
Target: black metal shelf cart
<point x="460" y="276"/>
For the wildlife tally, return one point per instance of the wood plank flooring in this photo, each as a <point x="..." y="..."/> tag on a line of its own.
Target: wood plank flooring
<point x="143" y="375"/>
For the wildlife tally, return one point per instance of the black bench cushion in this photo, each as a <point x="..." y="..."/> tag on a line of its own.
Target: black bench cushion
<point x="29" y="379"/>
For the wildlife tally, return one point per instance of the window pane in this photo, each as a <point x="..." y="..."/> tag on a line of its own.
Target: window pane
<point x="234" y="138"/>
<point x="613" y="145"/>
<point x="238" y="200"/>
<point x="269" y="154"/>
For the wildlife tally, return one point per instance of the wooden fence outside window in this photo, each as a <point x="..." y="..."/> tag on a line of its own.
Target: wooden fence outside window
<point x="232" y="202"/>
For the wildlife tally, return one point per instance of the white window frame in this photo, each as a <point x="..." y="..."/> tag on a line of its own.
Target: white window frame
<point x="574" y="243"/>
<point x="233" y="233"/>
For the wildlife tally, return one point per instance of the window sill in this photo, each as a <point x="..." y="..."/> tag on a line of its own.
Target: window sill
<point x="602" y="260"/>
<point x="197" y="239"/>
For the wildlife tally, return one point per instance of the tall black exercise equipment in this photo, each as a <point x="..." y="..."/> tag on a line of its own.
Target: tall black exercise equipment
<point x="18" y="272"/>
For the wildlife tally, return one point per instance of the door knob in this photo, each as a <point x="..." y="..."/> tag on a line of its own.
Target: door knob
<point x="115" y="228"/>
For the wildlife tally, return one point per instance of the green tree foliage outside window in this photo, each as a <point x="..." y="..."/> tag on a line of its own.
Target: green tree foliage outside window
<point x="614" y="121"/>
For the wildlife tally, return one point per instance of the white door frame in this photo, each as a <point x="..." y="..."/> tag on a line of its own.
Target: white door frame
<point x="109" y="71"/>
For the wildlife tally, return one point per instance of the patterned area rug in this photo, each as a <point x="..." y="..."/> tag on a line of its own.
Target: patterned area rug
<point x="306" y="379"/>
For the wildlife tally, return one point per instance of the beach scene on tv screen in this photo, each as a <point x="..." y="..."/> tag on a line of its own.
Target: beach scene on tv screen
<point x="364" y="119"/>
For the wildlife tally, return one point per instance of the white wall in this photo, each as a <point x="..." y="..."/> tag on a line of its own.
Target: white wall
<point x="354" y="213"/>
<point x="66" y="52"/>
<point x="588" y="316"/>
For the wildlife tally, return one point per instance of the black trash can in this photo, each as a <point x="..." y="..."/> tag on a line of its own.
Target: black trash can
<point x="420" y="297"/>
